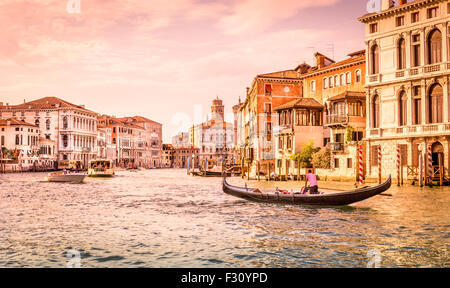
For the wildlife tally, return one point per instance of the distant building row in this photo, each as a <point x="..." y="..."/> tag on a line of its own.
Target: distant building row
<point x="68" y="132"/>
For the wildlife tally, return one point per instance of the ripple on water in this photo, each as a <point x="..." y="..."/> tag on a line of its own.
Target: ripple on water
<point x="164" y="218"/>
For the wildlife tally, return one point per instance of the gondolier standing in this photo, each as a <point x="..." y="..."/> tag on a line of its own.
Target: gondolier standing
<point x="312" y="179"/>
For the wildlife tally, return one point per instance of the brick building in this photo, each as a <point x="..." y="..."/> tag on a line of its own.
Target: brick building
<point x="256" y="118"/>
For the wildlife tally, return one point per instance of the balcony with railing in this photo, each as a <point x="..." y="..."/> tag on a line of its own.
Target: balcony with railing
<point x="337" y="147"/>
<point x="374" y="78"/>
<point x="400" y="74"/>
<point x="412" y="131"/>
<point x="337" y="120"/>
<point x="432" y="68"/>
<point x="285" y="128"/>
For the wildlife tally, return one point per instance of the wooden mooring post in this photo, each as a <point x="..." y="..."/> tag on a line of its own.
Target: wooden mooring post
<point x="259" y="170"/>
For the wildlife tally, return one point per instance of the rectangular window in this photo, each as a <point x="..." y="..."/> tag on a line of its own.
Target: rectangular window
<point x="339" y="138"/>
<point x="373" y="28"/>
<point x="400" y="21"/>
<point x="268" y="108"/>
<point x="357" y="136"/>
<point x="289" y="142"/>
<point x="417" y="106"/>
<point x="415" y="17"/>
<point x="416" y="55"/>
<point x="3" y="140"/>
<point x="433" y="12"/>
<point x="336" y="163"/>
<point x="268" y="89"/>
<point x="349" y="163"/>
<point x="269" y="131"/>
<point x="280" y="143"/>
<point x="374" y="155"/>
<point x="302" y="118"/>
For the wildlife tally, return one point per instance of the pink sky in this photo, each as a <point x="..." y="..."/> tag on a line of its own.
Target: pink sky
<point x="159" y="58"/>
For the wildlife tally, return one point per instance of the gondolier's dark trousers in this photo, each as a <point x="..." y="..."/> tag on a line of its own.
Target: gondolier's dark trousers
<point x="312" y="189"/>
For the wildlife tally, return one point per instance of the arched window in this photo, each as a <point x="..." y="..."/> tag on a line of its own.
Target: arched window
<point x="358" y="76"/>
<point x="402" y="106"/>
<point x="325" y="83"/>
<point x="47" y="124"/>
<point x="65" y="122"/>
<point x="331" y="82"/>
<point x="374" y="60"/>
<point x="401" y="55"/>
<point x="36" y="122"/>
<point x="434" y="46"/>
<point x="435" y="96"/>
<point x="342" y="80"/>
<point x="65" y="140"/>
<point x="349" y="78"/>
<point x="336" y="80"/>
<point x="376" y="111"/>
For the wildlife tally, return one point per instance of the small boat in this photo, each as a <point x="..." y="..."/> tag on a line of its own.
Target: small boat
<point x="101" y="168"/>
<point x="215" y="174"/>
<point x="328" y="199"/>
<point x="65" y="177"/>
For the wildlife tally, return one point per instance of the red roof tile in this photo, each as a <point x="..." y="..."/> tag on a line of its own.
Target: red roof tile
<point x="300" y="103"/>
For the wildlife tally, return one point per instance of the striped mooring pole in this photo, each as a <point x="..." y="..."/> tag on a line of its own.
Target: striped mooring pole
<point x="430" y="165"/>
<point x="398" y="165"/>
<point x="379" y="164"/>
<point x="360" y="165"/>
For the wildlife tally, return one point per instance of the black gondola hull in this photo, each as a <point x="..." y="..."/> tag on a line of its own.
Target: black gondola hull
<point x="332" y="199"/>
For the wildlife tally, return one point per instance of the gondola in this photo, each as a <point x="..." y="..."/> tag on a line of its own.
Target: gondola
<point x="329" y="199"/>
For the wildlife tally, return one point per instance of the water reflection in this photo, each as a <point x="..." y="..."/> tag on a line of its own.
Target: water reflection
<point x="164" y="218"/>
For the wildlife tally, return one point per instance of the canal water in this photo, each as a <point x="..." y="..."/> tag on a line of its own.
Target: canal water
<point x="164" y="218"/>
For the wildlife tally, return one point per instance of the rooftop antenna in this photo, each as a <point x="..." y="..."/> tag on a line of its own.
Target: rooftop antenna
<point x="330" y="48"/>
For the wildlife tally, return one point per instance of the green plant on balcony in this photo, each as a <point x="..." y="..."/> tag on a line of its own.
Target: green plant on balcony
<point x="348" y="138"/>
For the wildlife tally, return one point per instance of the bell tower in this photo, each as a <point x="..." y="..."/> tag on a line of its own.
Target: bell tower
<point x="217" y="110"/>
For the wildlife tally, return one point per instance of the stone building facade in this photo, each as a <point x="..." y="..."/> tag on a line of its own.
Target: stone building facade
<point x="214" y="138"/>
<point x="407" y="51"/>
<point x="72" y="127"/>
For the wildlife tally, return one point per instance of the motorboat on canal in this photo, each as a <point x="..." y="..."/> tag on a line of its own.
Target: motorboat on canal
<point x="330" y="198"/>
<point x="65" y="177"/>
<point x="101" y="168"/>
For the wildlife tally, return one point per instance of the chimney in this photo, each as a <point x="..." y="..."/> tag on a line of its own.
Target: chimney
<point x="402" y="2"/>
<point x="320" y="60"/>
<point x="386" y="4"/>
